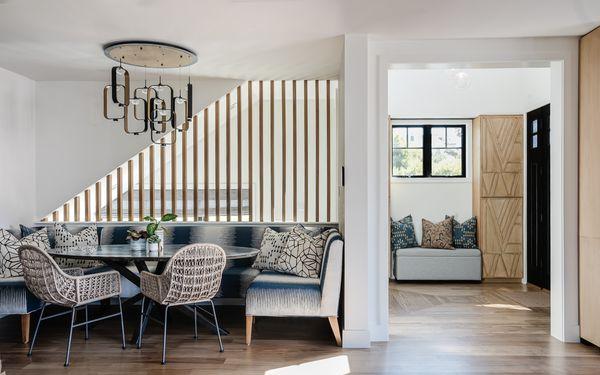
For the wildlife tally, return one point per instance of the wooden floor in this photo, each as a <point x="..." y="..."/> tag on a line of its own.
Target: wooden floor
<point x="435" y="329"/>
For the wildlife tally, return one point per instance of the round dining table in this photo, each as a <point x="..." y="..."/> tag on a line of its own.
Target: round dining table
<point x="120" y="257"/>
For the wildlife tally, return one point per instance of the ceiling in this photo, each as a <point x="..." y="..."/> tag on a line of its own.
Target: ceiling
<point x="259" y="39"/>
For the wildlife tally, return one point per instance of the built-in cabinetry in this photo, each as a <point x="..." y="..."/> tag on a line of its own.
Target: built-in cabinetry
<point x="589" y="187"/>
<point x="498" y="194"/>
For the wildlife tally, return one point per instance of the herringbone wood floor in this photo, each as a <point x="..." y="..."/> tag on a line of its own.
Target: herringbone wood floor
<point x="435" y="329"/>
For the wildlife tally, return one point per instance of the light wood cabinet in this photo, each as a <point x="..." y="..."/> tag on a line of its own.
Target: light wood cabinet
<point x="498" y="194"/>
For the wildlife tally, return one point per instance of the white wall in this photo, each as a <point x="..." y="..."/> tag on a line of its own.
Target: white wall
<point x="75" y="145"/>
<point x="17" y="149"/>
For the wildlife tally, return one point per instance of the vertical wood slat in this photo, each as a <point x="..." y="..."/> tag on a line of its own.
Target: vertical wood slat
<point x="88" y="211"/>
<point x="260" y="151"/>
<point x="98" y="201"/>
<point x="76" y="208"/>
<point x="328" y="150"/>
<point x="195" y="162"/>
<point x="272" y="145"/>
<point x="317" y="190"/>
<point x="130" y="190"/>
<point x="55" y="216"/>
<point x="217" y="164"/>
<point x="228" y="154"/>
<point x="250" y="172"/>
<point x="141" y="186"/>
<point x="294" y="153"/>
<point x="283" y="153"/>
<point x="151" y="181"/>
<point x="173" y="173"/>
<point x="119" y="194"/>
<point x="239" y="152"/>
<point x="206" y="186"/>
<point x="66" y="212"/>
<point x="109" y="197"/>
<point x="305" y="150"/>
<point x="184" y="175"/>
<point x="163" y="178"/>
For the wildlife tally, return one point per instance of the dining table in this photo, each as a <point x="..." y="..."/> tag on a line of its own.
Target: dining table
<point x="120" y="257"/>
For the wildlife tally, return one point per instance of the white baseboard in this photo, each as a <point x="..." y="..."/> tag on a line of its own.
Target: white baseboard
<point x="359" y="339"/>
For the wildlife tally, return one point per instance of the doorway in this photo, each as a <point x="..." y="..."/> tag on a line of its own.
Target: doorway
<point x="538" y="197"/>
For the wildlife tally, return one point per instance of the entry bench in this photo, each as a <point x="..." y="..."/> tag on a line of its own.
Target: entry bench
<point x="418" y="263"/>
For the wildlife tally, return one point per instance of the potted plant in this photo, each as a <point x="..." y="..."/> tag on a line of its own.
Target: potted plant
<point x="137" y="239"/>
<point x="155" y="228"/>
<point x="152" y="243"/>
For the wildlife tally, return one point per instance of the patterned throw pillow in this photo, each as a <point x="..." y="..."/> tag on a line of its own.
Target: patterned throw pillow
<point x="403" y="234"/>
<point x="9" y="245"/>
<point x="303" y="253"/>
<point x="464" y="235"/>
<point x="437" y="236"/>
<point x="271" y="247"/>
<point x="86" y="237"/>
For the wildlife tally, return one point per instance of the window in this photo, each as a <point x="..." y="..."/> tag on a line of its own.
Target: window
<point x="428" y="151"/>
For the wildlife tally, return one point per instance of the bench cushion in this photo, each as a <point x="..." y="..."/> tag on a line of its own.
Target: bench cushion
<point x="15" y="298"/>
<point x="437" y="264"/>
<point x="428" y="252"/>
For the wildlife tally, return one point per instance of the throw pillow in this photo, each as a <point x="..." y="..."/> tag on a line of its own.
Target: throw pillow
<point x="464" y="235"/>
<point x="9" y="246"/>
<point x="271" y="247"/>
<point x="26" y="231"/>
<point x="303" y="253"/>
<point x="403" y="234"/>
<point x="437" y="236"/>
<point x="86" y="237"/>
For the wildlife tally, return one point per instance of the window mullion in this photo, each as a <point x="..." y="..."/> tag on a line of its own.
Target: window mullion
<point x="427" y="151"/>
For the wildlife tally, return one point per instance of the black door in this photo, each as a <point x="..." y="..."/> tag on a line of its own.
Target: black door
<point x="538" y="197"/>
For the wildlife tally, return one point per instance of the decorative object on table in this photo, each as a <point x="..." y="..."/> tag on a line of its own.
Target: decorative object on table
<point x="153" y="243"/>
<point x="137" y="239"/>
<point x="272" y="245"/>
<point x="403" y="233"/>
<point x="10" y="266"/>
<point x="464" y="235"/>
<point x="88" y="236"/>
<point x="155" y="228"/>
<point x="303" y="253"/>
<point x="192" y="276"/>
<point x="153" y="105"/>
<point x="437" y="235"/>
<point x="73" y="290"/>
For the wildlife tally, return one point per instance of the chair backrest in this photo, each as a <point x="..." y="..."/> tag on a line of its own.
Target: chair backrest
<point x="194" y="273"/>
<point x="44" y="278"/>
<point x="331" y="274"/>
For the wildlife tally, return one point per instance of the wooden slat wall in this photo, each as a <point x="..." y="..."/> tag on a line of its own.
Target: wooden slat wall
<point x="297" y="166"/>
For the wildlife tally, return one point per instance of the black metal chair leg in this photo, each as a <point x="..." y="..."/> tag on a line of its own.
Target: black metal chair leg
<point x="87" y="330"/>
<point x="68" y="356"/>
<point x="195" y="323"/>
<point x="164" y="352"/>
<point x="217" y="324"/>
<point x="141" y="331"/>
<point x="122" y="324"/>
<point x="37" y="328"/>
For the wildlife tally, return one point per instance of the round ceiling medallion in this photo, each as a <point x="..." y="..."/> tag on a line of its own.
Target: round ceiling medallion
<point x="150" y="54"/>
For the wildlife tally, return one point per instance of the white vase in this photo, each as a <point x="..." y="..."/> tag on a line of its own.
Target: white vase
<point x="152" y="247"/>
<point x="160" y="232"/>
<point x="137" y="245"/>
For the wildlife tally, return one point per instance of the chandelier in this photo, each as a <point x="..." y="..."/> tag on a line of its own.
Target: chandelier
<point x="154" y="107"/>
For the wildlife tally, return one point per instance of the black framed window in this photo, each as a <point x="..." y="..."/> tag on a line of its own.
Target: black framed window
<point x="428" y="150"/>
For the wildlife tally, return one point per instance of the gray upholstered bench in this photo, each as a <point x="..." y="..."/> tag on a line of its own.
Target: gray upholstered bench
<point x="417" y="263"/>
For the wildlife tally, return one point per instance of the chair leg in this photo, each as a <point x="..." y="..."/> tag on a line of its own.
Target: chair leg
<point x="249" y="321"/>
<point x="140" y="332"/>
<point x="25" y="327"/>
<point x="37" y="328"/>
<point x="122" y="325"/>
<point x="217" y="324"/>
<point x="195" y="323"/>
<point x="68" y="356"/>
<point x="164" y="352"/>
<point x="87" y="329"/>
<point x="333" y="322"/>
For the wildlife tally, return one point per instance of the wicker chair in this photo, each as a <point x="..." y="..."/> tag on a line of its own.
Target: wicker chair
<point x="192" y="276"/>
<point x="67" y="288"/>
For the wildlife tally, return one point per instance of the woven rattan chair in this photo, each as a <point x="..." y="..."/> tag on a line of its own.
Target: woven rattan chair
<point x="192" y="276"/>
<point x="67" y="288"/>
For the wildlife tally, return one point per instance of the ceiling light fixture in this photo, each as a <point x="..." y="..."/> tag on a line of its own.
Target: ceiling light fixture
<point x="154" y="105"/>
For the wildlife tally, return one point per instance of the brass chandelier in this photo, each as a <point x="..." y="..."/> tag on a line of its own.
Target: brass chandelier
<point x="154" y="106"/>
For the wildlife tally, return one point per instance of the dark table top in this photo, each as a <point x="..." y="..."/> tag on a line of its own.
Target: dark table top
<point x="124" y="252"/>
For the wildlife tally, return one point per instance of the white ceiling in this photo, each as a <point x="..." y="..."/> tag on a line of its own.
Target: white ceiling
<point x="259" y="39"/>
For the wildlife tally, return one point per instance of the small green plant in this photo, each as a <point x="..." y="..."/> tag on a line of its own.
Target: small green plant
<point x="154" y="224"/>
<point x="153" y="239"/>
<point x="135" y="235"/>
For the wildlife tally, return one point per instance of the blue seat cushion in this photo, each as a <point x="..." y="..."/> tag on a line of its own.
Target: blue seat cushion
<point x="15" y="298"/>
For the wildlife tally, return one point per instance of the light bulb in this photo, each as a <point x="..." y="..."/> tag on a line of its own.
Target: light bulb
<point x="160" y="88"/>
<point x="135" y="101"/>
<point x="144" y="91"/>
<point x="179" y="101"/>
<point x="163" y="112"/>
<point x="120" y="71"/>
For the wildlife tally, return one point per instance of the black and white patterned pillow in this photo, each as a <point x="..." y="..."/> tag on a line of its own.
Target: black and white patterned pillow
<point x="303" y="253"/>
<point x="272" y="245"/>
<point x="10" y="265"/>
<point x="86" y="237"/>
